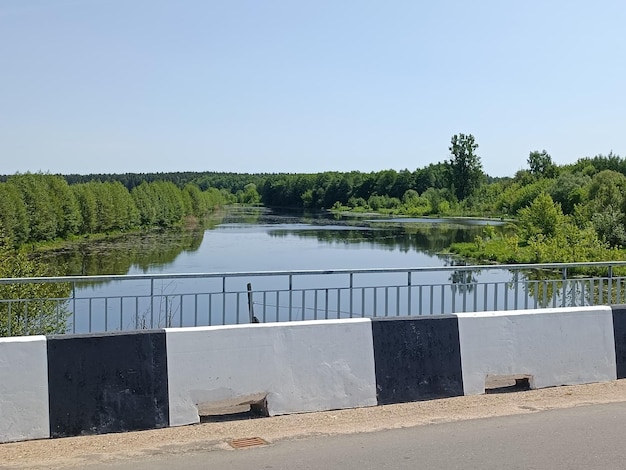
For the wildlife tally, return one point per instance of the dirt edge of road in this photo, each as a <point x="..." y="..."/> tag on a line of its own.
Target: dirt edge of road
<point x="83" y="451"/>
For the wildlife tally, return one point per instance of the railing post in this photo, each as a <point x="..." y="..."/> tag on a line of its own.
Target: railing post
<point x="453" y="290"/>
<point x="73" y="307"/>
<point x="351" y="285"/>
<point x="375" y="301"/>
<point x="495" y="296"/>
<point x="464" y="291"/>
<point x="326" y="304"/>
<point x="223" y="299"/>
<point x="253" y="319"/>
<point x="339" y="303"/>
<point x="516" y="280"/>
<point x="408" y="298"/>
<point x="25" y="327"/>
<point x="290" y="294"/>
<point x="151" y="301"/>
<point x="564" y="301"/>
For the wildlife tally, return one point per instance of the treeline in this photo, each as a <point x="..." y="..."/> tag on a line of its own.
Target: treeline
<point x="590" y="194"/>
<point x="130" y="180"/>
<point x="374" y="190"/>
<point x="325" y="190"/>
<point x="37" y="207"/>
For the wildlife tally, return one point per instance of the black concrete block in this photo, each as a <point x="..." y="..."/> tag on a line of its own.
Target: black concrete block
<point x="107" y="383"/>
<point x="619" y="332"/>
<point x="417" y="358"/>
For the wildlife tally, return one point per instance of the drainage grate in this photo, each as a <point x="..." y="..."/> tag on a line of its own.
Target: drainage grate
<point x="247" y="442"/>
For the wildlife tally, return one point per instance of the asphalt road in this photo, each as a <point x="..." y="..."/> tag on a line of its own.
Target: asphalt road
<point x="585" y="437"/>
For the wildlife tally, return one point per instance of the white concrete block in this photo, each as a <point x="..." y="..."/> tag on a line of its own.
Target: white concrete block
<point x="23" y="389"/>
<point x="299" y="367"/>
<point x="562" y="346"/>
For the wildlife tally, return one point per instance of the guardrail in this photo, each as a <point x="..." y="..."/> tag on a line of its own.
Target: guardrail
<point x="111" y="303"/>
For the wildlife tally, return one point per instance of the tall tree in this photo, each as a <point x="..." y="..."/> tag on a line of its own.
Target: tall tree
<point x="65" y="205"/>
<point x="465" y="170"/>
<point x="14" y="224"/>
<point x="87" y="205"/>
<point x="39" y="205"/>
<point x="540" y="164"/>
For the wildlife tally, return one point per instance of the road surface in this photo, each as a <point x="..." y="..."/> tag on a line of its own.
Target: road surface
<point x="569" y="439"/>
<point x="562" y="427"/>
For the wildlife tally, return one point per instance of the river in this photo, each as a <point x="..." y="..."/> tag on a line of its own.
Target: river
<point x="259" y="239"/>
<point x="243" y="239"/>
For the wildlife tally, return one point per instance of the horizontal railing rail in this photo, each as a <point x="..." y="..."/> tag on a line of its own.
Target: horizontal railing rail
<point x="90" y="304"/>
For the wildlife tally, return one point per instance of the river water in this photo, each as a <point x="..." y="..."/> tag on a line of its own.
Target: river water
<point x="259" y="239"/>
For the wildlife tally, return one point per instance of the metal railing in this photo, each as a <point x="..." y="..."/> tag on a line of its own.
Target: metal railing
<point x="115" y="303"/>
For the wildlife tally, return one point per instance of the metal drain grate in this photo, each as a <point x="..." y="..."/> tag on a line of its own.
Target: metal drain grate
<point x="247" y="442"/>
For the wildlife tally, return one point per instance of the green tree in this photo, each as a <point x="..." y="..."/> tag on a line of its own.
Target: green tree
<point x="410" y="197"/>
<point x="465" y="171"/>
<point x="115" y="207"/>
<point x="42" y="217"/>
<point x="609" y="225"/>
<point x="607" y="188"/>
<point x="65" y="205"/>
<point x="199" y="206"/>
<point x="145" y="201"/>
<point x="433" y="176"/>
<point x="540" y="164"/>
<point x="308" y="198"/>
<point x="518" y="196"/>
<point x="569" y="190"/>
<point x="46" y="311"/>
<point x="170" y="202"/>
<point x="542" y="217"/>
<point x="250" y="194"/>
<point x="87" y="206"/>
<point x="435" y="197"/>
<point x="14" y="224"/>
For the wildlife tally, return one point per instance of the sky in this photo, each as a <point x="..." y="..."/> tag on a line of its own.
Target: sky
<point x="305" y="86"/>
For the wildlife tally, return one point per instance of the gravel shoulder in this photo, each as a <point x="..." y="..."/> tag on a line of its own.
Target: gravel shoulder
<point x="80" y="452"/>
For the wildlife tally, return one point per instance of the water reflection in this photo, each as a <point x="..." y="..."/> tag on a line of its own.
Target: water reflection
<point x="463" y="281"/>
<point x="144" y="252"/>
<point x="250" y="239"/>
<point x="431" y="238"/>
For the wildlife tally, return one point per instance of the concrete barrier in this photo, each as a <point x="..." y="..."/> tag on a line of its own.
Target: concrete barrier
<point x="107" y="383"/>
<point x="91" y="384"/>
<point x="417" y="358"/>
<point x="552" y="347"/>
<point x="23" y="389"/>
<point x="619" y="335"/>
<point x="292" y="367"/>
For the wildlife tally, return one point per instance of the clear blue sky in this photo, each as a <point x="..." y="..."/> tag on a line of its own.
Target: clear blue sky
<point x="115" y="86"/>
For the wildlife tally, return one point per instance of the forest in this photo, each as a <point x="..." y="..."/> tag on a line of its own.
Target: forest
<point x="37" y="207"/>
<point x="565" y="213"/>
